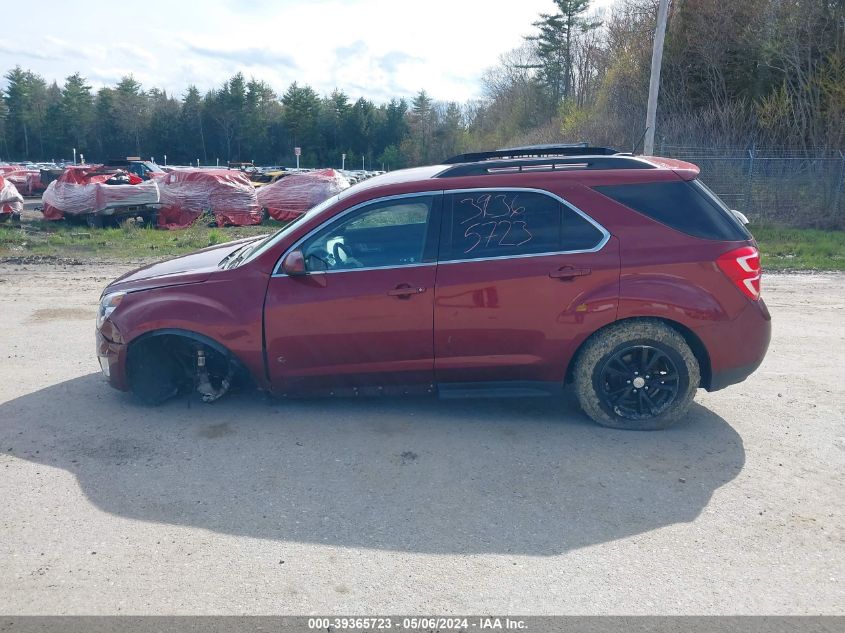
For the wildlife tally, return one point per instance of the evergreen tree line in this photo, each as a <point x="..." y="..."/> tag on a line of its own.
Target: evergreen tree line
<point x="736" y="73"/>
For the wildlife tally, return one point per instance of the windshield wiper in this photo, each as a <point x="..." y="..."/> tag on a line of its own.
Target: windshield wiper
<point x="241" y="255"/>
<point x="222" y="262"/>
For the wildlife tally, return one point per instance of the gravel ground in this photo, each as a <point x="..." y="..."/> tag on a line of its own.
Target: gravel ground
<point x="413" y="505"/>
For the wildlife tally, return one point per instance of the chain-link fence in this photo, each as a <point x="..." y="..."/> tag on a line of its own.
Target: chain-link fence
<point x="799" y="189"/>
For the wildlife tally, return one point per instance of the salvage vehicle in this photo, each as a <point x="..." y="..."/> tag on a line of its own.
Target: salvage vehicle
<point x="225" y="194"/>
<point x="506" y="273"/>
<point x="292" y="196"/>
<point x="144" y="169"/>
<point x="11" y="201"/>
<point x="27" y="181"/>
<point x="99" y="195"/>
<point x="260" y="178"/>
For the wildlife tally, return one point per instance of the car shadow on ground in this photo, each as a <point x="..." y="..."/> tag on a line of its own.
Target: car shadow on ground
<point x="529" y="477"/>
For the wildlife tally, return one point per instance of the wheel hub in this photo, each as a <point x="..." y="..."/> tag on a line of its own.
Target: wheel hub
<point x="638" y="382"/>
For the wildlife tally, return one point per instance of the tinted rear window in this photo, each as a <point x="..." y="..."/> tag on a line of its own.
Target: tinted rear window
<point x="681" y="205"/>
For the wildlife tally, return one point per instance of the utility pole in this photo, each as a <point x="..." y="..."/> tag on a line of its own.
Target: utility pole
<point x="654" y="82"/>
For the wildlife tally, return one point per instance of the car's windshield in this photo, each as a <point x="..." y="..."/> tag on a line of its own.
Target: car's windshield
<point x="262" y="247"/>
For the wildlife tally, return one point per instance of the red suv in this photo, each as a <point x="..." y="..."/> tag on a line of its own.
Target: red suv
<point x="501" y="273"/>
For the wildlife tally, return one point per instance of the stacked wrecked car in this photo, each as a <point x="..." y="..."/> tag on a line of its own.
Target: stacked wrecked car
<point x="93" y="193"/>
<point x="288" y="198"/>
<point x="180" y="197"/>
<point x="226" y="195"/>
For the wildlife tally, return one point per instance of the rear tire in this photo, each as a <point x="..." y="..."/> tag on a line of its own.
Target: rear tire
<point x="637" y="375"/>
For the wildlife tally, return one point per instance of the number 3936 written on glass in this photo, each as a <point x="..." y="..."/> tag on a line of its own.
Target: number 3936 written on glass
<point x="495" y="221"/>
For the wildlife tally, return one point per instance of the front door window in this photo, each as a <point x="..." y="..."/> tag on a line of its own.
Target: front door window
<point x="386" y="234"/>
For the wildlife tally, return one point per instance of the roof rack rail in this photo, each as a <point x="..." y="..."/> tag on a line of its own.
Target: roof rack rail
<point x="490" y="167"/>
<point x="537" y="151"/>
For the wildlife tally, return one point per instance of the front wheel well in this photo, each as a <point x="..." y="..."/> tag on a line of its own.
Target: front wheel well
<point x="163" y="363"/>
<point x="691" y="339"/>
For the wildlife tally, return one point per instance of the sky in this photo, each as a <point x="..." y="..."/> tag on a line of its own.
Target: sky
<point x="376" y="49"/>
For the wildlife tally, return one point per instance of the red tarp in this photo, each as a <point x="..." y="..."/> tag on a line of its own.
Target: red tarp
<point x="10" y="200"/>
<point x="27" y="181"/>
<point x="82" y="190"/>
<point x="188" y="193"/>
<point x="293" y="195"/>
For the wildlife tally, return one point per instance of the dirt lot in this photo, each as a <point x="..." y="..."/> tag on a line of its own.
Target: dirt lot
<point x="255" y="506"/>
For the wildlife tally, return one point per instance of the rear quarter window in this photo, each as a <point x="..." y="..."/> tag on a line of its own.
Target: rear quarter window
<point x="681" y="205"/>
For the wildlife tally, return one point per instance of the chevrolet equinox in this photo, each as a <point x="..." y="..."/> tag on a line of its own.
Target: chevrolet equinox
<point x="513" y="272"/>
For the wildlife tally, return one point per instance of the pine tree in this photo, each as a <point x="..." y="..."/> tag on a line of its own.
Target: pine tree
<point x="556" y="46"/>
<point x="301" y="110"/>
<point x="76" y="113"/>
<point x="19" y="100"/>
<point x="132" y="113"/>
<point x="191" y="145"/>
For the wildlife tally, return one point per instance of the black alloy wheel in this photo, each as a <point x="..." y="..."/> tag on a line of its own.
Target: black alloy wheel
<point x="638" y="382"/>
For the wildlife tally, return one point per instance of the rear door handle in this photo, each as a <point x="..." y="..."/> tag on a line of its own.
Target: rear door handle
<point x="569" y="272"/>
<point x="405" y="291"/>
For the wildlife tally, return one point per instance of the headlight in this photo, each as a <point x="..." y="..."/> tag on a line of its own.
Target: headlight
<point x="108" y="304"/>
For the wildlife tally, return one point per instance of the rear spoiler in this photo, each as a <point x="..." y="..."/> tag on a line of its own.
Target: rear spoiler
<point x="739" y="215"/>
<point x="685" y="170"/>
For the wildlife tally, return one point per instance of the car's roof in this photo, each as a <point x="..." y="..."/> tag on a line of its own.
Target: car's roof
<point x="432" y="177"/>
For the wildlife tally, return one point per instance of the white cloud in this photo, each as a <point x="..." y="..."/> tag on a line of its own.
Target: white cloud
<point x="371" y="48"/>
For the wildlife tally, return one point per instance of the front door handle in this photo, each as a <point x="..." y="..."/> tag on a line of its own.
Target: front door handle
<point x="405" y="291"/>
<point x="569" y="272"/>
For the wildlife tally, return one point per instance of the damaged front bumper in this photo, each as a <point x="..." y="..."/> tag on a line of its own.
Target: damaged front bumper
<point x="111" y="353"/>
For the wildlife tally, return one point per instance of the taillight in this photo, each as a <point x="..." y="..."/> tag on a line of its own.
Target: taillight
<point x="742" y="266"/>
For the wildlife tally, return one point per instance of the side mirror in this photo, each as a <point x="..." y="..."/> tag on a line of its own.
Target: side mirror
<point x="293" y="264"/>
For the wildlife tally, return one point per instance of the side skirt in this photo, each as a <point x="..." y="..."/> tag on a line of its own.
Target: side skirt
<point x="499" y="389"/>
<point x="445" y="391"/>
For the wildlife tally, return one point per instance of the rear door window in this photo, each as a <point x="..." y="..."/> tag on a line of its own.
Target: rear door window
<point x="681" y="205"/>
<point x="508" y="223"/>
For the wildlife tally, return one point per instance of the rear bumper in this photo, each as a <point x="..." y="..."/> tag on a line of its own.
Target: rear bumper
<point x="737" y="348"/>
<point x="112" y="357"/>
<point x="728" y="377"/>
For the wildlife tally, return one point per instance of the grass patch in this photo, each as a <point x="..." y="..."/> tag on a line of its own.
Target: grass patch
<point x="800" y="249"/>
<point x="124" y="243"/>
<point x="781" y="248"/>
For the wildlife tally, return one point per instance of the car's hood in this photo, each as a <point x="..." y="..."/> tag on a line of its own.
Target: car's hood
<point x="187" y="269"/>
